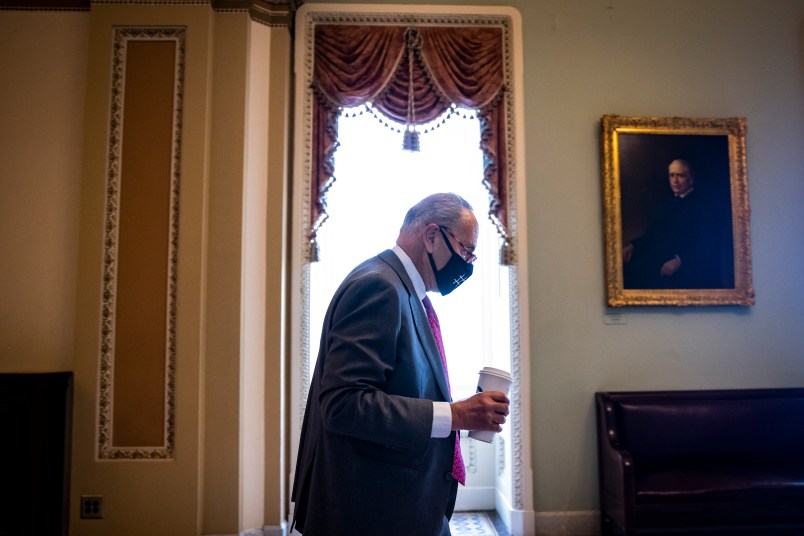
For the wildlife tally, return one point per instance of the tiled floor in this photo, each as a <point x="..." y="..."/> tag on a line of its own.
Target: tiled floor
<point x="477" y="524"/>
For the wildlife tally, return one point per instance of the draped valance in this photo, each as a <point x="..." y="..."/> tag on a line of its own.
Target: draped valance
<point x="412" y="75"/>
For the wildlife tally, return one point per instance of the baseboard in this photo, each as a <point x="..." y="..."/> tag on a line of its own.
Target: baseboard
<point x="275" y="531"/>
<point x="575" y="523"/>
<point x="281" y="530"/>
<point x="475" y="498"/>
<point x="518" y="522"/>
<point x="530" y="523"/>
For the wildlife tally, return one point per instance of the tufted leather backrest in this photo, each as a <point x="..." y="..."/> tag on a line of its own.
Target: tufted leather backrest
<point x="679" y="428"/>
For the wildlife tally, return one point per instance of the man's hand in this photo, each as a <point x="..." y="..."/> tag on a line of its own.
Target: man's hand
<point x="483" y="411"/>
<point x="628" y="252"/>
<point x="671" y="266"/>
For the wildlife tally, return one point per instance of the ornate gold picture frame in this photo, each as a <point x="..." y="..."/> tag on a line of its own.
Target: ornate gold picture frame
<point x="676" y="214"/>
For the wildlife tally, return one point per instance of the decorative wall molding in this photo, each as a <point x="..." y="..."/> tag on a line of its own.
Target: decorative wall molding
<point x="44" y="5"/>
<point x="106" y="450"/>
<point x="268" y="12"/>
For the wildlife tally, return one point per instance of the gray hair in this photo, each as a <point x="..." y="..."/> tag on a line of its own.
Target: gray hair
<point x="443" y="209"/>
<point x="684" y="163"/>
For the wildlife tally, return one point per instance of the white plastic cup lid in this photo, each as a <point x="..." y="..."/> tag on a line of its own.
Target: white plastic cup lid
<point x="497" y="372"/>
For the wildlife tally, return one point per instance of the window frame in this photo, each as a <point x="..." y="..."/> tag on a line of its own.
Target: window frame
<point x="514" y="471"/>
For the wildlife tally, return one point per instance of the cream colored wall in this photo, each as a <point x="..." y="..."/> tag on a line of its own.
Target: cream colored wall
<point x="142" y="497"/>
<point x="226" y="475"/>
<point x="582" y="59"/>
<point x="279" y="105"/>
<point x="224" y="345"/>
<point x="40" y="183"/>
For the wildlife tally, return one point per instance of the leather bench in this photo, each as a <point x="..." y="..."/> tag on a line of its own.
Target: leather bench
<point x="701" y="460"/>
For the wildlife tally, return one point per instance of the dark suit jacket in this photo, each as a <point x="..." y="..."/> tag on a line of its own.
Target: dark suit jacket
<point x="681" y="226"/>
<point x="366" y="462"/>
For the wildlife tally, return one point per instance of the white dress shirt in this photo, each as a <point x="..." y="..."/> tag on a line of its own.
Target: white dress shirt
<point x="442" y="413"/>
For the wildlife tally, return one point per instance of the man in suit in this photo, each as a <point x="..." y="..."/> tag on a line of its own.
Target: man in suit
<point x="377" y="454"/>
<point x="679" y="249"/>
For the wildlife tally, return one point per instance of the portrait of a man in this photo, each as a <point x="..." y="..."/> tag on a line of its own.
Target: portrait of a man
<point x="676" y="212"/>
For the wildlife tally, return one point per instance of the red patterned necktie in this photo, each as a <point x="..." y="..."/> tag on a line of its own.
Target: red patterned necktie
<point x="458" y="468"/>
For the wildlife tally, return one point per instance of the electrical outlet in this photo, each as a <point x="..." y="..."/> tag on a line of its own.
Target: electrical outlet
<point x="91" y="507"/>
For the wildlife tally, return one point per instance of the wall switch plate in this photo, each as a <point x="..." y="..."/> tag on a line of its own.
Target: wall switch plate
<point x="91" y="507"/>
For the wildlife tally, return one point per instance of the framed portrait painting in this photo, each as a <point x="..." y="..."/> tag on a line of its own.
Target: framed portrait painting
<point x="676" y="211"/>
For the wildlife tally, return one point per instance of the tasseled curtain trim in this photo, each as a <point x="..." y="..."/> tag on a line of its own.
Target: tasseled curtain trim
<point x="356" y="64"/>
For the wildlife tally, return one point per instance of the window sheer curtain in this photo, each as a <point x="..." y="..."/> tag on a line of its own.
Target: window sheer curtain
<point x="412" y="75"/>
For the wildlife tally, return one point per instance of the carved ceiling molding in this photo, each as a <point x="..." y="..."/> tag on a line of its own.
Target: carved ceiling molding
<point x="269" y="12"/>
<point x="45" y="5"/>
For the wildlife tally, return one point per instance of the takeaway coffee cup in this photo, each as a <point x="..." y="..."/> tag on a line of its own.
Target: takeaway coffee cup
<point x="491" y="379"/>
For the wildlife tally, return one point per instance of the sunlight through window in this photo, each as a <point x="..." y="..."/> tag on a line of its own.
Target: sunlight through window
<point x="376" y="182"/>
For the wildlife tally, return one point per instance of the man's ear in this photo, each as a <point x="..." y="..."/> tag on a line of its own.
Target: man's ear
<point x="429" y="237"/>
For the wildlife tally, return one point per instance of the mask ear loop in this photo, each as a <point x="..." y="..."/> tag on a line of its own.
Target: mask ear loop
<point x="447" y="241"/>
<point x="449" y="246"/>
<point x="430" y="255"/>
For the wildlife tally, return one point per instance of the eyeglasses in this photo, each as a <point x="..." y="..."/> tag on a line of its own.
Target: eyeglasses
<point x="466" y="254"/>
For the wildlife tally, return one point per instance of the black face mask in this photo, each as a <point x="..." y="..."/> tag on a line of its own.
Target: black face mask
<point x="455" y="272"/>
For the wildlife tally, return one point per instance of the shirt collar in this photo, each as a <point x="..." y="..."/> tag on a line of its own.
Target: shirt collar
<point x="685" y="194"/>
<point x="413" y="273"/>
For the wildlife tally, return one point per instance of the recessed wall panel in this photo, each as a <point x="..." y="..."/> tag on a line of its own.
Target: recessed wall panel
<point x="136" y="409"/>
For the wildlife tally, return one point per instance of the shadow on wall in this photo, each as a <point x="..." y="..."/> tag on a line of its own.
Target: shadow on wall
<point x="801" y="46"/>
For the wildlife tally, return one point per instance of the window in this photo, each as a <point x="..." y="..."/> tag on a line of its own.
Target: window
<point x="377" y="183"/>
<point x="313" y="141"/>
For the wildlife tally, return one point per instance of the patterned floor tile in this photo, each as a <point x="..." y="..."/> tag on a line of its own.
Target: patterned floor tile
<point x="471" y="524"/>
